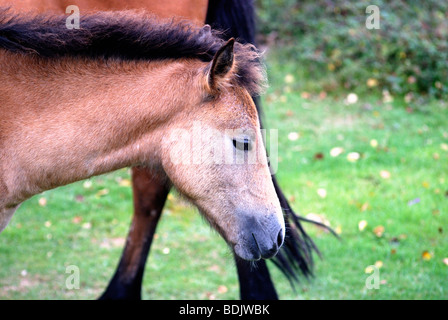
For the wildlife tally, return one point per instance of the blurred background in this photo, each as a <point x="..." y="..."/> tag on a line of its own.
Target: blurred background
<point x="362" y="124"/>
<point x="329" y="43"/>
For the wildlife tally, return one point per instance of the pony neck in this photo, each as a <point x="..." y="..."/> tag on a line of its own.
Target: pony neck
<point x="79" y="118"/>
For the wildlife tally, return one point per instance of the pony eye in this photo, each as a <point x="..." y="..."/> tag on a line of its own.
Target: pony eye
<point x="242" y="144"/>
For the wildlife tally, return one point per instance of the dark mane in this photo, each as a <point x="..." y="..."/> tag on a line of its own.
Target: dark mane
<point x="125" y="35"/>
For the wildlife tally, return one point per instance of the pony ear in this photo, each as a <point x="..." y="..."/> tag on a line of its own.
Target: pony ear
<point x="221" y="64"/>
<point x="205" y="32"/>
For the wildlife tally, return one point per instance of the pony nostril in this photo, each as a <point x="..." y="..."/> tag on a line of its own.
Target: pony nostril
<point x="280" y="238"/>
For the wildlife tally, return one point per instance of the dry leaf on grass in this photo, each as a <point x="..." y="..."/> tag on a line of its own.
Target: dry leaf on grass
<point x="426" y="255"/>
<point x="379" y="231"/>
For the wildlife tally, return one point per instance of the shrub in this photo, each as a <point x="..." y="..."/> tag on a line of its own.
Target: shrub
<point x="408" y="54"/>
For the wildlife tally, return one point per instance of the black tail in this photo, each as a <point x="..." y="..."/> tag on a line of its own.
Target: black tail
<point x="236" y="19"/>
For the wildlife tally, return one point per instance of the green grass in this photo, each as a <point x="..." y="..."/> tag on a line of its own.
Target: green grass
<point x="86" y="227"/>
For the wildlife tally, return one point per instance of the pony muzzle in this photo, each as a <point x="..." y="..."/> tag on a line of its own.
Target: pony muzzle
<point x="259" y="240"/>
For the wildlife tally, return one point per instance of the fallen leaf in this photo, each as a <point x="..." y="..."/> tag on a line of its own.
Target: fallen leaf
<point x="42" y="202"/>
<point x="362" y="225"/>
<point x="369" y="269"/>
<point x="426" y="255"/>
<point x="322" y="193"/>
<point x="87" y="184"/>
<point x="210" y="296"/>
<point x="305" y="95"/>
<point x="87" y="225"/>
<point x="444" y="146"/>
<point x="364" y="206"/>
<point x="222" y="289"/>
<point x="371" y="82"/>
<point x="338" y="230"/>
<point x="319" y="156"/>
<point x="77" y="219"/>
<point x="385" y="174"/>
<point x="322" y="95"/>
<point x="293" y="136"/>
<point x="125" y="183"/>
<point x="102" y="192"/>
<point x="214" y="268"/>
<point x="336" y="151"/>
<point x="353" y="156"/>
<point x="289" y="78"/>
<point x="387" y="98"/>
<point x="379" y="264"/>
<point x="379" y="231"/>
<point x="352" y="98"/>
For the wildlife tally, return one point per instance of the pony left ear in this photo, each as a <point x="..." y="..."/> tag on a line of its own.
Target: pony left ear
<point x="221" y="64"/>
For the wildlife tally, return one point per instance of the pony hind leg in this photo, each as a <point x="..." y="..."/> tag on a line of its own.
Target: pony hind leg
<point x="149" y="192"/>
<point x="255" y="280"/>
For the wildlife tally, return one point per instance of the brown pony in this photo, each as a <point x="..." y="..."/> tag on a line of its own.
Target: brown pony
<point x="194" y="10"/>
<point x="150" y="189"/>
<point x="113" y="94"/>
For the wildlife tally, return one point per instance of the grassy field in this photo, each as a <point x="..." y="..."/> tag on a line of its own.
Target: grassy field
<point x="375" y="170"/>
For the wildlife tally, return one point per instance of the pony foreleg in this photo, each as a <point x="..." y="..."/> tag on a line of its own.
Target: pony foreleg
<point x="5" y="216"/>
<point x="150" y="193"/>
<point x="255" y="280"/>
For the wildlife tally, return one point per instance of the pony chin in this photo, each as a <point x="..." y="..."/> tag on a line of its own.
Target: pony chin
<point x="247" y="253"/>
